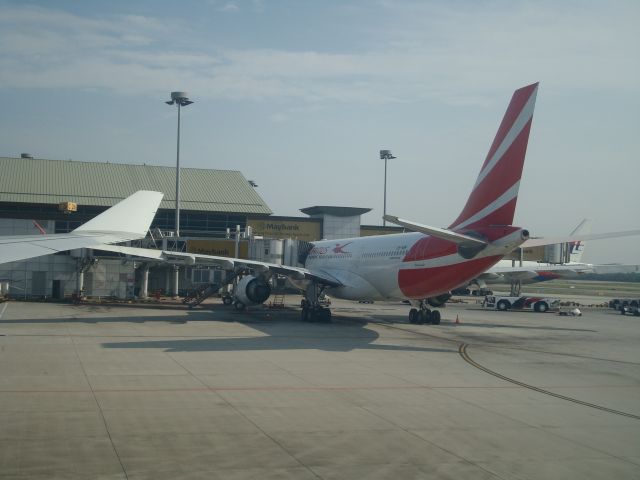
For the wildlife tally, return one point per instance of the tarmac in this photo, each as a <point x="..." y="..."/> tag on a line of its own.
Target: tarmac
<point x="162" y="392"/>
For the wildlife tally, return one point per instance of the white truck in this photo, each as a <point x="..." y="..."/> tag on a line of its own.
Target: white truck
<point x="537" y="304"/>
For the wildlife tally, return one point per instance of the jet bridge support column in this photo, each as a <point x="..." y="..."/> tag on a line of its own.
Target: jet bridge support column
<point x="81" y="267"/>
<point x="80" y="281"/>
<point x="144" y="287"/>
<point x="176" y="279"/>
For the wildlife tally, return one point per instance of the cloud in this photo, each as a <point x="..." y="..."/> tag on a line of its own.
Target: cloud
<point x="229" y="7"/>
<point x="279" y="117"/>
<point x="426" y="50"/>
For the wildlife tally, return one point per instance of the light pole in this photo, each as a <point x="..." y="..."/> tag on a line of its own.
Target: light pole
<point x="181" y="100"/>
<point x="385" y="155"/>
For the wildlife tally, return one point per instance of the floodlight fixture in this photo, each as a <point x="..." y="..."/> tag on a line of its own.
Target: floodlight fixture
<point x="180" y="99"/>
<point x="385" y="155"/>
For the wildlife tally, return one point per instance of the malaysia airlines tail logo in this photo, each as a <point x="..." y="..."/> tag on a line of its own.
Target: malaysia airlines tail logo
<point x="575" y="247"/>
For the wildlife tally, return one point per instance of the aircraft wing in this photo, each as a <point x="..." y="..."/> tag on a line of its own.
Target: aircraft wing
<point x="538" y="242"/>
<point x="226" y="263"/>
<point x="616" y="268"/>
<point x="529" y="272"/>
<point x="127" y="220"/>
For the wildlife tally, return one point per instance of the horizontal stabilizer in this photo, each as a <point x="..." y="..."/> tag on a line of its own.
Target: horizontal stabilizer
<point x="442" y="233"/>
<point x="538" y="242"/>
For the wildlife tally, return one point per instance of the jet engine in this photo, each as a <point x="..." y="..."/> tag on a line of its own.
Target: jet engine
<point x="439" y="300"/>
<point x="252" y="291"/>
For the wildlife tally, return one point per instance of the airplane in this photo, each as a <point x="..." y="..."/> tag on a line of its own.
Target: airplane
<point x="526" y="272"/>
<point x="529" y="271"/>
<point x="127" y="220"/>
<point x="421" y="266"/>
<point x="427" y="262"/>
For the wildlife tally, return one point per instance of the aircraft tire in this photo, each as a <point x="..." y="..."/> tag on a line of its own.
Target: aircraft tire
<point x="435" y="317"/>
<point x="227" y="300"/>
<point x="413" y="315"/>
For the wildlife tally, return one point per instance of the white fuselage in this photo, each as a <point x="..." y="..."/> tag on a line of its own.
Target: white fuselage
<point x="532" y="272"/>
<point x="388" y="267"/>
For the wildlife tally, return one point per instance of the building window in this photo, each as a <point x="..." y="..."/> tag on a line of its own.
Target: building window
<point x="200" y="275"/>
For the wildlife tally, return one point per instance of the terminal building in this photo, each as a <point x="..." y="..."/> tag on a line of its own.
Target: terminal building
<point x="220" y="214"/>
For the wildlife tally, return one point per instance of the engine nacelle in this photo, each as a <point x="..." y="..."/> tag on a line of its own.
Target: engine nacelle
<point x="252" y="291"/>
<point x="439" y="300"/>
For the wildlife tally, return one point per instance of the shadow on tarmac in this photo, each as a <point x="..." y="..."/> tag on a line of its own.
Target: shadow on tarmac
<point x="190" y="317"/>
<point x="332" y="344"/>
<point x="338" y="336"/>
<point x="282" y="330"/>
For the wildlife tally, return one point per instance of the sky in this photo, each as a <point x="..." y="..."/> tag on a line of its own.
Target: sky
<point x="300" y="96"/>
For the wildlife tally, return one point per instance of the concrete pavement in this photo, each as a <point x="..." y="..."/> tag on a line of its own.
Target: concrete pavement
<point x="144" y="392"/>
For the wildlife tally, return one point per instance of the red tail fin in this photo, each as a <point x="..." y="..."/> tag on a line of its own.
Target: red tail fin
<point x="493" y="198"/>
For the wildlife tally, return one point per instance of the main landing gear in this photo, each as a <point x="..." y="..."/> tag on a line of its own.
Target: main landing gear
<point x="315" y="306"/>
<point x="423" y="314"/>
<point x="315" y="313"/>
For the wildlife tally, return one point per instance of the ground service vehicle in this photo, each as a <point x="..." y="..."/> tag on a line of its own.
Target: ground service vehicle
<point x="537" y="304"/>
<point x="629" y="310"/>
<point x="618" y="303"/>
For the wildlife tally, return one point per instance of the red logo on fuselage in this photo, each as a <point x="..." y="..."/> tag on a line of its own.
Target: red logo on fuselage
<point x="339" y="248"/>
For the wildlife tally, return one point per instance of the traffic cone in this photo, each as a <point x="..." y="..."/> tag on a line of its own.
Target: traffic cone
<point x="457" y="320"/>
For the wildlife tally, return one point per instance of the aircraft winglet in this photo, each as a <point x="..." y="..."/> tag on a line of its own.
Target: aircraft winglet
<point x="128" y="220"/>
<point x="134" y="214"/>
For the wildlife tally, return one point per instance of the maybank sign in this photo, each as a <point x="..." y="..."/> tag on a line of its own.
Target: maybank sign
<point x="308" y="230"/>
<point x="219" y="248"/>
